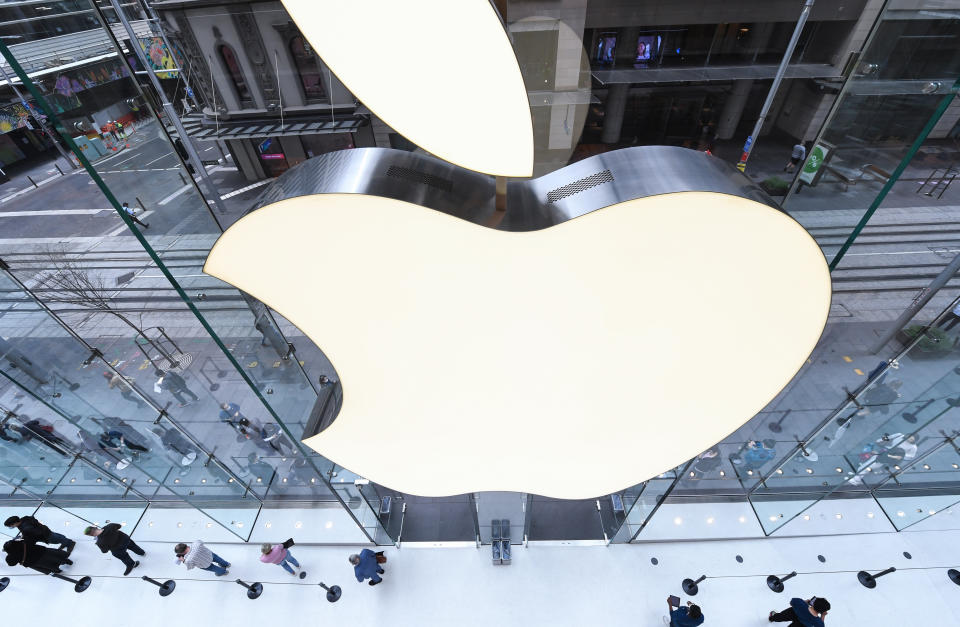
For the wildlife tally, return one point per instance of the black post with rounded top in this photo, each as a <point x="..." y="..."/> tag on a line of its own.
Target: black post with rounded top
<point x="79" y="585"/>
<point x="254" y="590"/>
<point x="333" y="592"/>
<point x="166" y="588"/>
<point x="4" y="582"/>
<point x="690" y="587"/>
<point x="776" y="583"/>
<point x="870" y="581"/>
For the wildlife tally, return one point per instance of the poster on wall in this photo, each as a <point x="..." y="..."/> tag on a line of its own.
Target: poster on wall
<point x="160" y="57"/>
<point x="812" y="171"/>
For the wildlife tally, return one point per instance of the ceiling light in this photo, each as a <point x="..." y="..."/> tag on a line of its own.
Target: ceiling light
<point x="329" y="524"/>
<point x="678" y="521"/>
<point x="809" y="471"/>
<point x="469" y="108"/>
<point x="710" y="520"/>
<point x="869" y="514"/>
<point x="298" y="524"/>
<point x="742" y="519"/>
<point x="268" y="524"/>
<point x="421" y="321"/>
<point x="838" y="515"/>
<point x="900" y="514"/>
<point x="806" y="516"/>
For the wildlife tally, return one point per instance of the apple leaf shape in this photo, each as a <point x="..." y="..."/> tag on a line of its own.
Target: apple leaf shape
<point x="468" y="107"/>
<point x="570" y="362"/>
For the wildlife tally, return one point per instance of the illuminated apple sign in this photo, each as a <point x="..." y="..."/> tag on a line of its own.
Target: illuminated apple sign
<point x="442" y="73"/>
<point x="571" y="361"/>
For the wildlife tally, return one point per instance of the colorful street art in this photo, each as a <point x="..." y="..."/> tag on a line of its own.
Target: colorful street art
<point x="73" y="82"/>
<point x="160" y="57"/>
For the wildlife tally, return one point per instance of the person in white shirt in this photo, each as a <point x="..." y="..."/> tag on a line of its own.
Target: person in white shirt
<point x="131" y="212"/>
<point x="799" y="154"/>
<point x="197" y="555"/>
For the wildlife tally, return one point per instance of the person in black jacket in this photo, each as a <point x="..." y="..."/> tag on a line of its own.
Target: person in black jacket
<point x="111" y="539"/>
<point x="39" y="558"/>
<point x="33" y="531"/>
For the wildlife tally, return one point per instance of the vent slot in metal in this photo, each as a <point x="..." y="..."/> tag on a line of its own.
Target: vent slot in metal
<point x="580" y="185"/>
<point x="416" y="176"/>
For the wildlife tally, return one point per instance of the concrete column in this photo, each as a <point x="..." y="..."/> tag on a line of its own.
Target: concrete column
<point x="733" y="108"/>
<point x="613" y="112"/>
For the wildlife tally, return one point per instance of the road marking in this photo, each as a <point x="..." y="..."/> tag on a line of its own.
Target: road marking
<point x="174" y="194"/>
<point x="246" y="189"/>
<point x="169" y="154"/>
<point x="50" y="212"/>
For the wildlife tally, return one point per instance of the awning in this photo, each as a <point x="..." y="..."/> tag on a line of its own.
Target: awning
<point x="204" y="131"/>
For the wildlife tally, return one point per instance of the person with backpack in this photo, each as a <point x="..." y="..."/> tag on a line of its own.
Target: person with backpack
<point x="280" y="554"/>
<point x="689" y="616"/>
<point x="366" y="565"/>
<point x="802" y="613"/>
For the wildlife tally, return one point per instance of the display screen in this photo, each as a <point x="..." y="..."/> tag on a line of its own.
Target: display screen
<point x="648" y="46"/>
<point x="607" y="48"/>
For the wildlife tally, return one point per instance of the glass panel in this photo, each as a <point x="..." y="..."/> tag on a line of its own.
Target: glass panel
<point x="501" y="506"/>
<point x="930" y="484"/>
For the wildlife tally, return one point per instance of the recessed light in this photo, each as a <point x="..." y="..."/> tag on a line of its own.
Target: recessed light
<point x="749" y="472"/>
<point x="838" y="515"/>
<point x="179" y="524"/>
<point x="806" y="516"/>
<point x="298" y="524"/>
<point x="72" y="479"/>
<point x="809" y="471"/>
<point x="926" y="466"/>
<point x="773" y="518"/>
<point x="869" y="514"/>
<point x="839" y="469"/>
<point x="209" y="525"/>
<point x="240" y="525"/>
<point x="779" y="471"/>
<point x="204" y="480"/>
<point x="723" y="474"/>
<point x="896" y="467"/>
<point x="710" y="520"/>
<point x="900" y="514"/>
<point x="693" y="474"/>
<point x="932" y="512"/>
<point x="678" y="521"/>
<point x="742" y="519"/>
<point x="329" y="524"/>
<point x="150" y="524"/>
<point x="268" y="524"/>
<point x="259" y="479"/>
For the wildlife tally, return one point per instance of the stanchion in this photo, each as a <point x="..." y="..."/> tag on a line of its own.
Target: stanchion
<point x="166" y="588"/>
<point x="333" y="592"/>
<point x="4" y="582"/>
<point x="690" y="587"/>
<point x="254" y="590"/>
<point x="79" y="585"/>
<point x="953" y="574"/>
<point x="870" y="581"/>
<point x="776" y="583"/>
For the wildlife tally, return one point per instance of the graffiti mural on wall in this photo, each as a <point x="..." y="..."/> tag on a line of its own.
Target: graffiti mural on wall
<point x="73" y="82"/>
<point x="160" y="57"/>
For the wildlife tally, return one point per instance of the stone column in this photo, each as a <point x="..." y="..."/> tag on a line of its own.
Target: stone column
<point x="613" y="112"/>
<point x="733" y="108"/>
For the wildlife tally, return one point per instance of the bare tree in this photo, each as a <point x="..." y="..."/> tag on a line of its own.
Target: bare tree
<point x="71" y="283"/>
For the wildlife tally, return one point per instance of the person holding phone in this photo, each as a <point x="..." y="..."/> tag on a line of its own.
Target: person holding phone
<point x="689" y="616"/>
<point x="803" y="613"/>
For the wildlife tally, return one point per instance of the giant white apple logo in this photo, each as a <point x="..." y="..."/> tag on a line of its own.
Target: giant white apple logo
<point x="571" y="361"/>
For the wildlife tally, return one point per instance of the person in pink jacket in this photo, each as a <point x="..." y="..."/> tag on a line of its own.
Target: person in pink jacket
<point x="278" y="554"/>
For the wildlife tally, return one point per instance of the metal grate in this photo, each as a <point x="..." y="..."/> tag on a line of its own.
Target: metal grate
<point x="416" y="176"/>
<point x="580" y="185"/>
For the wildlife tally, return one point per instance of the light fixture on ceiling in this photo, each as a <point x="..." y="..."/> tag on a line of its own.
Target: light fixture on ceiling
<point x="469" y="108"/>
<point x="578" y="292"/>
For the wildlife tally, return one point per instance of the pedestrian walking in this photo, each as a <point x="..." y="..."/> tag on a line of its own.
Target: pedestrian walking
<point x="230" y="414"/>
<point x="39" y="558"/>
<point x="809" y="613"/>
<point x="133" y="216"/>
<point x="799" y="154"/>
<point x="280" y="554"/>
<point x="118" y="382"/>
<point x="111" y="540"/>
<point x="33" y="531"/>
<point x="366" y="565"/>
<point x="679" y="616"/>
<point x="197" y="555"/>
<point x="176" y="385"/>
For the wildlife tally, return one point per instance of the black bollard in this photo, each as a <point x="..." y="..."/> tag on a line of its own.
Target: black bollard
<point x="254" y="590"/>
<point x="79" y="585"/>
<point x="166" y="588"/>
<point x="4" y="582"/>
<point x="690" y="587"/>
<point x="775" y="426"/>
<point x="870" y="581"/>
<point x="333" y="592"/>
<point x="776" y="583"/>
<point x="953" y="574"/>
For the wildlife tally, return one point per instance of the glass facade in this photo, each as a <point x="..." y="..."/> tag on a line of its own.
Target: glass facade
<point x="129" y="378"/>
